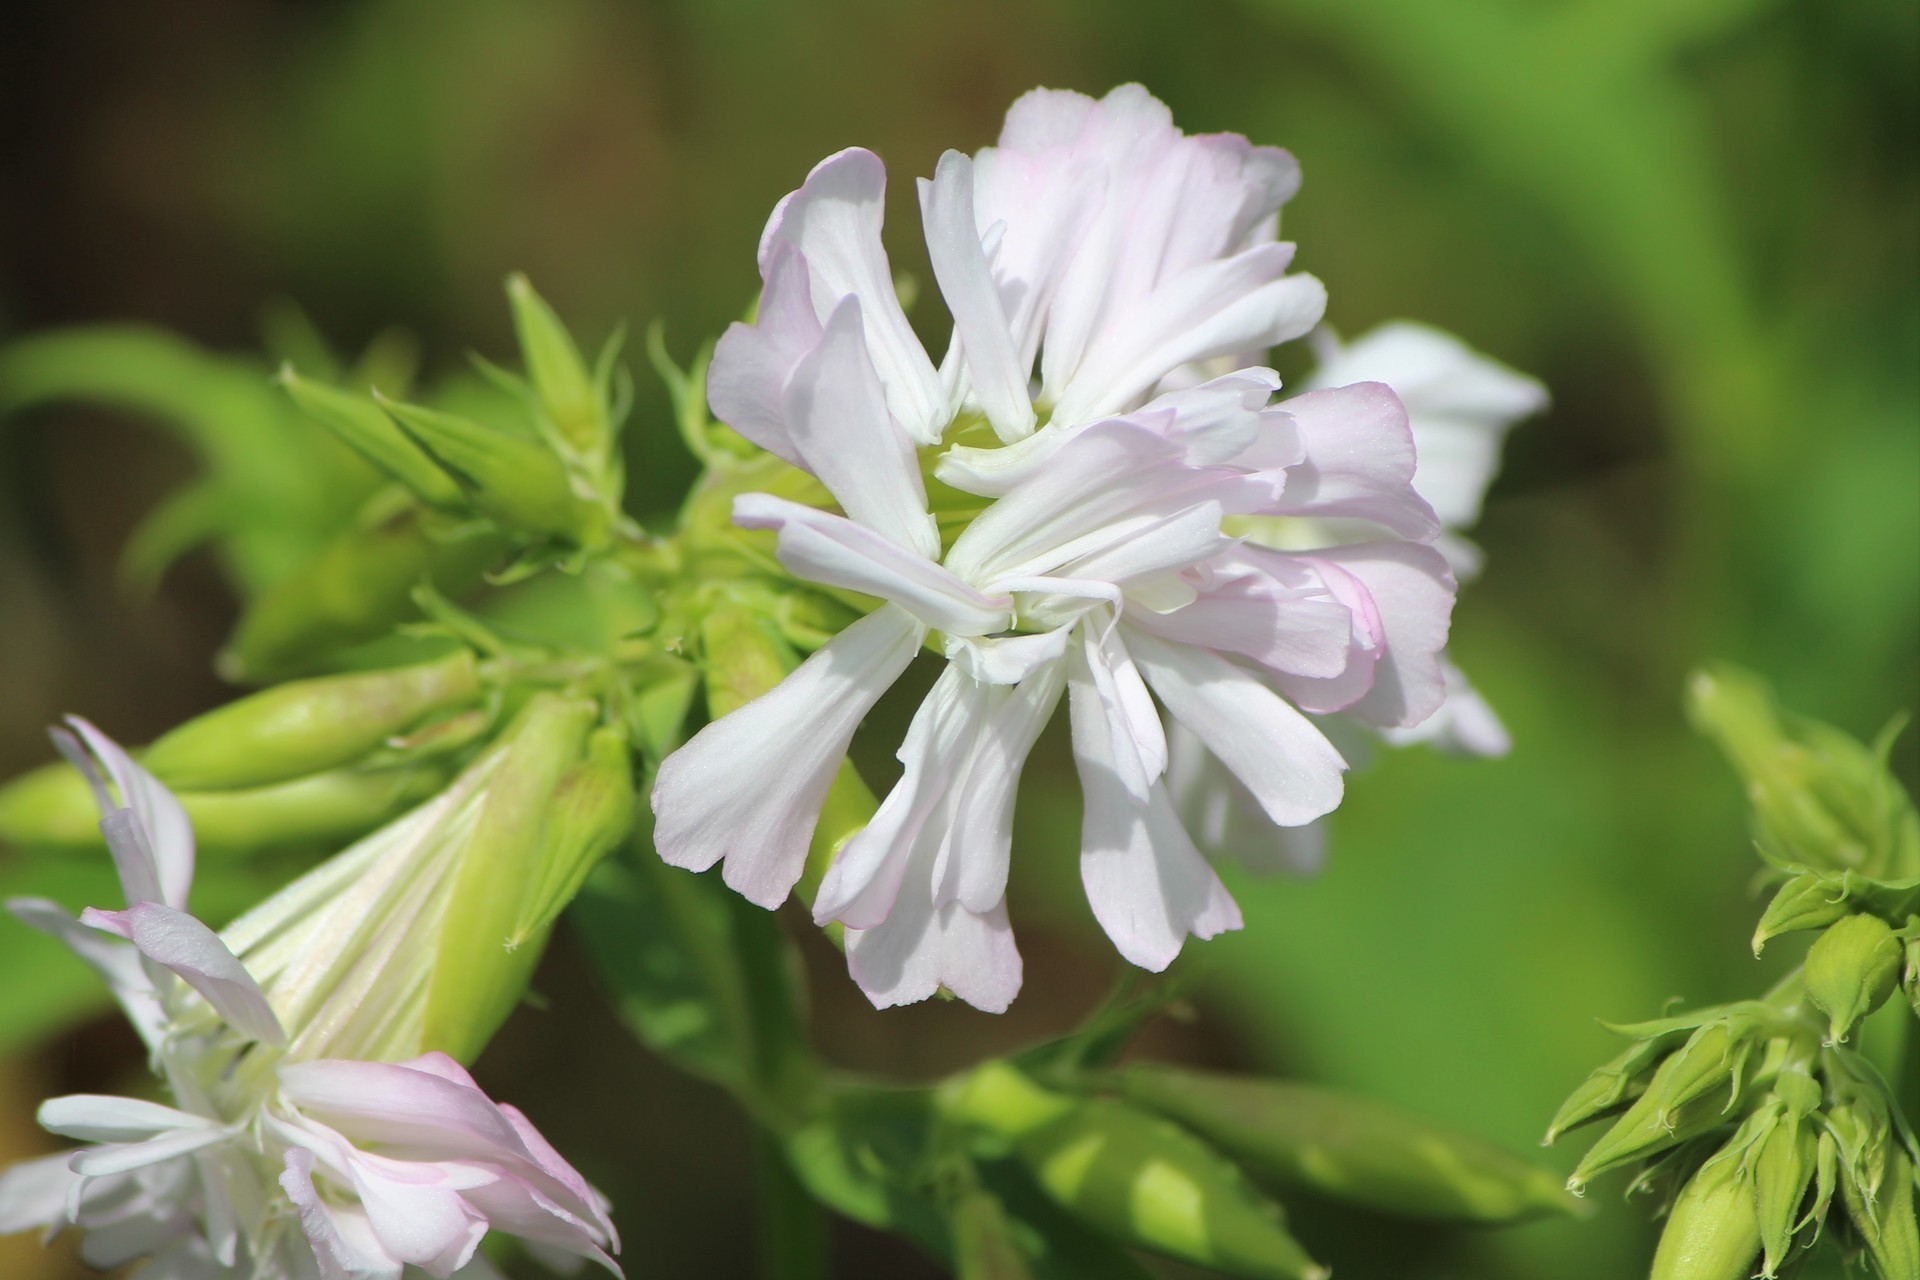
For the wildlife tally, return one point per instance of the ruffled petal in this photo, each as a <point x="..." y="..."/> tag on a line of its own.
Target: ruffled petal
<point x="1359" y="460"/>
<point x="1412" y="591"/>
<point x="748" y="788"/>
<point x="834" y="221"/>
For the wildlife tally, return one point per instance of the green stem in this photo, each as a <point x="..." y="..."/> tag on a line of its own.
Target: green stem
<point x="793" y="1227"/>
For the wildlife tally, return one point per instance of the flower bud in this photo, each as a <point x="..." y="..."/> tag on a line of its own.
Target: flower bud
<point x="1850" y="971"/>
<point x="1655" y="1123"/>
<point x="1807" y="901"/>
<point x="1881" y="1208"/>
<point x="1712" y="1232"/>
<point x="592" y="810"/>
<point x="565" y="391"/>
<point x="1350" y="1147"/>
<point x="1621" y="1080"/>
<point x="518" y="481"/>
<point x="1133" y="1176"/>
<point x="307" y="726"/>
<point x="478" y="974"/>
<point x="358" y="421"/>
<point x="353" y="590"/>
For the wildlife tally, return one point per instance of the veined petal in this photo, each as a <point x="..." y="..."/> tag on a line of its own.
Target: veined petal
<point x="1359" y="460"/>
<point x="994" y="368"/>
<point x="921" y="948"/>
<point x="747" y="379"/>
<point x="748" y="788"/>
<point x="1279" y="755"/>
<point x="1148" y="886"/>
<point x="834" y="220"/>
<point x="189" y="948"/>
<point x="822" y="547"/>
<point x="160" y="869"/>
<point x="838" y="420"/>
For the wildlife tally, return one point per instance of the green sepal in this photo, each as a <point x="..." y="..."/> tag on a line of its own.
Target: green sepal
<point x="1350" y="1147"/>
<point x="565" y="391"/>
<point x="358" y="421"/>
<point x="590" y="813"/>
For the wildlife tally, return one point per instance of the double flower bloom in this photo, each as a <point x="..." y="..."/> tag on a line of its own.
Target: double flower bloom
<point x="1128" y="262"/>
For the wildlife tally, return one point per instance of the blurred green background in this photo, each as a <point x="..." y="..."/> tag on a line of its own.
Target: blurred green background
<point x="1697" y="220"/>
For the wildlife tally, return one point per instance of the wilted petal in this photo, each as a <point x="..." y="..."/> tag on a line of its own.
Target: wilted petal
<point x="1287" y="763"/>
<point x="748" y="787"/>
<point x="190" y="949"/>
<point x="834" y="220"/>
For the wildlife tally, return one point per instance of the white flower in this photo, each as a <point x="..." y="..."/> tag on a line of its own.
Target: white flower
<point x="1100" y="241"/>
<point x="276" y="1161"/>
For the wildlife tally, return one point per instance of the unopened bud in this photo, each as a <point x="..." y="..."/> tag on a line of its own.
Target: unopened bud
<point x="564" y="388"/>
<point x="1614" y="1084"/>
<point x="358" y="421"/>
<point x="1350" y="1147"/>
<point x="591" y="812"/>
<point x="1807" y="901"/>
<point x="519" y="481"/>
<point x="354" y="589"/>
<point x="1133" y="1176"/>
<point x="1850" y="971"/>
<point x="1882" y="1211"/>
<point x="478" y="975"/>
<point x="1780" y="1163"/>
<point x="1654" y="1123"/>
<point x="1712" y="1232"/>
<point x="307" y="726"/>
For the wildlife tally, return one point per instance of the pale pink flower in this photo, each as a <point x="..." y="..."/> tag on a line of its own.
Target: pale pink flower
<point x="268" y="1164"/>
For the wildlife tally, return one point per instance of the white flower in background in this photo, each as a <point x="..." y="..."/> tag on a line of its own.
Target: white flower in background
<point x="1460" y="405"/>
<point x="280" y="1157"/>
<point x="1115" y="251"/>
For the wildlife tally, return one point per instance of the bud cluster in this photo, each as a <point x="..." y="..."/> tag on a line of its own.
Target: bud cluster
<point x="1749" y="1119"/>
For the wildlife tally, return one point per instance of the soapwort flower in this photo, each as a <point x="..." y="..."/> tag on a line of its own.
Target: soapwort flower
<point x="289" y="1149"/>
<point x="1079" y="541"/>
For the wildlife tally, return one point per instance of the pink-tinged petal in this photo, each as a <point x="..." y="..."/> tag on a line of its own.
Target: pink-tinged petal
<point x="1220" y="420"/>
<point x="343" y="1241"/>
<point x="1160" y="547"/>
<point x="555" y="1235"/>
<point x="406" y="1110"/>
<point x="190" y="949"/>
<point x="1413" y="591"/>
<point x="748" y="788"/>
<point x="837" y="417"/>
<point x="1464" y="725"/>
<point x="921" y="948"/>
<point x="747" y="380"/>
<point x="834" y="221"/>
<point x="167" y="873"/>
<point x="1359" y="460"/>
<point x="117" y="963"/>
<point x="1266" y="607"/>
<point x="34" y="1193"/>
<point x="860" y="887"/>
<point x="417" y="1212"/>
<point x="1220" y="308"/>
<point x="586" y="1202"/>
<point x="1460" y="405"/>
<point x="994" y="368"/>
<point x="1148" y="886"/>
<point x="822" y="547"/>
<point x="1279" y="755"/>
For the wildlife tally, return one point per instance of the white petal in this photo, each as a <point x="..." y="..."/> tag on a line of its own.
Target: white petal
<point x="33" y="1193"/>
<point x="748" y="787"/>
<point x="838" y="420"/>
<point x="1137" y="750"/>
<point x="747" y="379"/>
<point x="1413" y="591"/>
<point x="1006" y="659"/>
<point x="822" y="547"/>
<point x="980" y="836"/>
<point x="189" y="948"/>
<point x="1148" y="886"/>
<point x="104" y="1161"/>
<point x="169" y="835"/>
<point x="1359" y="460"/>
<point x="1279" y="755"/>
<point x="1226" y="821"/>
<point x="95" y="1117"/>
<point x="341" y="1237"/>
<point x="922" y="948"/>
<point x="994" y="369"/>
<point x="834" y="220"/>
<point x="1464" y="725"/>
<point x="115" y="961"/>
